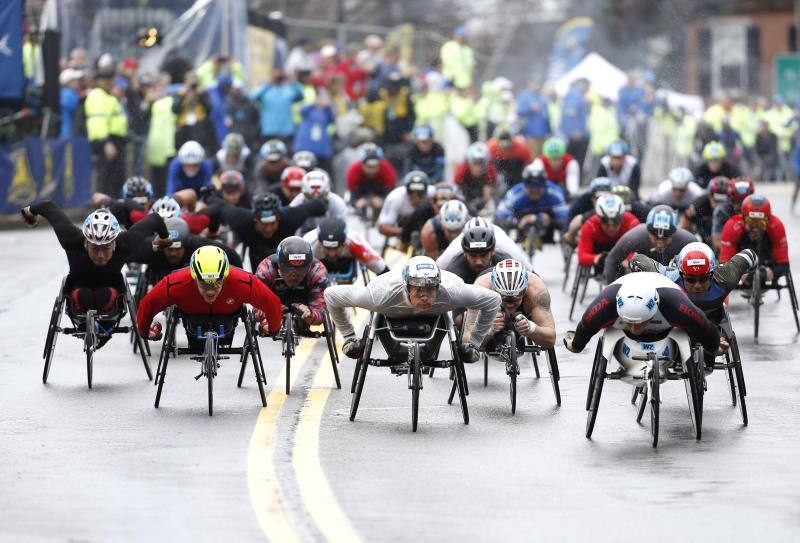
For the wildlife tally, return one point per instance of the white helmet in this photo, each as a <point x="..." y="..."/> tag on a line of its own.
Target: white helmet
<point x="609" y="207"/>
<point x="316" y="184"/>
<point x="509" y="278"/>
<point x="191" y="153"/>
<point x="421" y="271"/>
<point x="454" y="215"/>
<point x="100" y="227"/>
<point x="166" y="207"/>
<point x="637" y="298"/>
<point x="680" y="178"/>
<point x="478" y="153"/>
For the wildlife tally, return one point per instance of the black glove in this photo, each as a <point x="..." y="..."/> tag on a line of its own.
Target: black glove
<point x="353" y="347"/>
<point x="205" y="192"/>
<point x="469" y="353"/>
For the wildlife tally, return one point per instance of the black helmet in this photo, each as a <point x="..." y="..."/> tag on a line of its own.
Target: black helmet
<point x="478" y="236"/>
<point x="662" y="221"/>
<point x="416" y="181"/>
<point x="178" y="232"/>
<point x="137" y="187"/>
<point x="332" y="232"/>
<point x="294" y="252"/>
<point x="231" y="181"/>
<point x="265" y="207"/>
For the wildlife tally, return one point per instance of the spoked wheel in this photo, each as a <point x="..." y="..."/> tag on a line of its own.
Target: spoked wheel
<point x="576" y="283"/>
<point x="512" y="369"/>
<point x="416" y="385"/>
<point x="360" y="375"/>
<point x="88" y="344"/>
<point x="739" y="374"/>
<point x="598" y="353"/>
<point x="598" y="378"/>
<point x="655" y="401"/>
<point x="642" y="405"/>
<point x="52" y="336"/>
<point x="695" y="390"/>
<point x="460" y="381"/>
<point x="755" y="299"/>
<point x="555" y="375"/>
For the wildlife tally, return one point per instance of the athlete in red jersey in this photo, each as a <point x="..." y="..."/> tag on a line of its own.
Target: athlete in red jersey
<point x="602" y="230"/>
<point x="211" y="291"/>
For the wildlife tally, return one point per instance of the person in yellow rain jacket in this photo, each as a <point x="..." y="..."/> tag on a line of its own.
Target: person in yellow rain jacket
<point x="779" y="117"/>
<point x="463" y="108"/>
<point x="458" y="60"/>
<point x="431" y="106"/>
<point x="160" y="147"/>
<point x="107" y="130"/>
<point x="603" y="128"/>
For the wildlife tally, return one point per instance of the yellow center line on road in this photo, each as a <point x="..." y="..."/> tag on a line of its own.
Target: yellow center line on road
<point x="265" y="491"/>
<point x="315" y="489"/>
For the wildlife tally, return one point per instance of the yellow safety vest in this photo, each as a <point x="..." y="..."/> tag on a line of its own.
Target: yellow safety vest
<point x="105" y="116"/>
<point x="161" y="136"/>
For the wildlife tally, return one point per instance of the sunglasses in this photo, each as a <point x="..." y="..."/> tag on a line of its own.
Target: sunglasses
<point x="696" y="280"/>
<point x="217" y="285"/>
<point x="511" y="299"/>
<point x="422" y="291"/>
<point x="759" y="224"/>
<point x="611" y="222"/>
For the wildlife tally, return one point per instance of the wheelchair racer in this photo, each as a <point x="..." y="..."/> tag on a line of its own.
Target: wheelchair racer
<point x="291" y="185"/>
<point x="420" y="288"/>
<point x="210" y="293"/>
<point x="440" y="231"/>
<point x="317" y="184"/>
<point x="190" y="170"/>
<point x="137" y="198"/>
<point x="621" y="167"/>
<point x="521" y="293"/>
<point x="714" y="154"/>
<point x="699" y="216"/>
<point x="338" y="249"/>
<point x="659" y="238"/>
<point x="510" y="154"/>
<point x="429" y="209"/>
<point x="647" y="306"/>
<point x="476" y="179"/>
<point x="679" y="191"/>
<point x="98" y="250"/>
<point x="757" y="229"/>
<point x="266" y="224"/>
<point x="176" y="255"/>
<point x="696" y="271"/>
<point x="560" y="167"/>
<point x="738" y="190"/>
<point x="168" y="208"/>
<point x="401" y="202"/>
<point x="426" y="155"/>
<point x="602" y="230"/>
<point x="504" y="244"/>
<point x="535" y="200"/>
<point x="297" y="278"/>
<point x="370" y="178"/>
<point x="232" y="189"/>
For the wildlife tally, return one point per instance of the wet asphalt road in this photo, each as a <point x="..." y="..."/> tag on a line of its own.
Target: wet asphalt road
<point x="105" y="465"/>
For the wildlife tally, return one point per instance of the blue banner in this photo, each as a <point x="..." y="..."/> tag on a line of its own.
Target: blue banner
<point x="58" y="170"/>
<point x="569" y="46"/>
<point x="12" y="82"/>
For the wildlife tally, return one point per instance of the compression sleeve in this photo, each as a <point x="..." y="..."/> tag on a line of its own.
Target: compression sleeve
<point x="586" y="254"/>
<point x="339" y="297"/>
<point x="680" y="312"/>
<point x="573" y="177"/>
<point x="151" y="305"/>
<point x="602" y="313"/>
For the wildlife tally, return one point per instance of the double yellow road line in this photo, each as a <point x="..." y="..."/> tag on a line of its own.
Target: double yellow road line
<point x="267" y="494"/>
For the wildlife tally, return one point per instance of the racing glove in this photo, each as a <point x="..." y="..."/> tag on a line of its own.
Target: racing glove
<point x="262" y="324"/>
<point x="353" y="347"/>
<point x="154" y="333"/>
<point x="469" y="353"/>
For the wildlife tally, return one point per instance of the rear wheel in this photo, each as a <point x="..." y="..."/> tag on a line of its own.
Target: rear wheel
<point x="52" y="336"/>
<point x="360" y="376"/>
<point x="598" y="352"/>
<point x="598" y="378"/>
<point x="555" y="375"/>
<point x="88" y="345"/>
<point x="756" y="301"/>
<point x="739" y="374"/>
<point x="211" y="363"/>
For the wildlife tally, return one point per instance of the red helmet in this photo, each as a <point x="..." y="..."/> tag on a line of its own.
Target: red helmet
<point x="696" y="262"/>
<point x="292" y="177"/>
<point x="231" y="181"/>
<point x="756" y="210"/>
<point x="718" y="188"/>
<point x="739" y="189"/>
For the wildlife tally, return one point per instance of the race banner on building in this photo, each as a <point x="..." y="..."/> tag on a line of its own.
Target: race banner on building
<point x="569" y="46"/>
<point x="12" y="84"/>
<point x="58" y="170"/>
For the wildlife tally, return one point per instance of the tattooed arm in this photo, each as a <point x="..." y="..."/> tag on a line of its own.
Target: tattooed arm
<point x="537" y="298"/>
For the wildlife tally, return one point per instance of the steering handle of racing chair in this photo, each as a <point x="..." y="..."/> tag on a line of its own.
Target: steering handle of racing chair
<point x="201" y="335"/>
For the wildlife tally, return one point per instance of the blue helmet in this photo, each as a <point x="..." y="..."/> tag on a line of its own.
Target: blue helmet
<point x="600" y="184"/>
<point x="137" y="188"/>
<point x="617" y="148"/>
<point x="166" y="207"/>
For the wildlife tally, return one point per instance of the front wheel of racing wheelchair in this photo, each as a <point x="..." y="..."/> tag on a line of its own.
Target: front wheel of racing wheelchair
<point x="759" y="287"/>
<point x="211" y="344"/>
<point x="410" y="346"/>
<point x="93" y="327"/>
<point x="646" y="365"/>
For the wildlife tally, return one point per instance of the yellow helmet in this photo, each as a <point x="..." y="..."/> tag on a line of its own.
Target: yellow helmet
<point x="209" y="264"/>
<point x="714" y="150"/>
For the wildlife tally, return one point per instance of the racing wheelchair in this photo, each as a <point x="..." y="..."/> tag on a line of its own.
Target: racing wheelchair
<point x="646" y="365"/>
<point x="292" y="330"/>
<point x="347" y="276"/>
<point x="756" y="290"/>
<point x="580" y="284"/>
<point x="508" y="347"/>
<point x="411" y="346"/>
<point x="208" y="344"/>
<point x="94" y="327"/>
